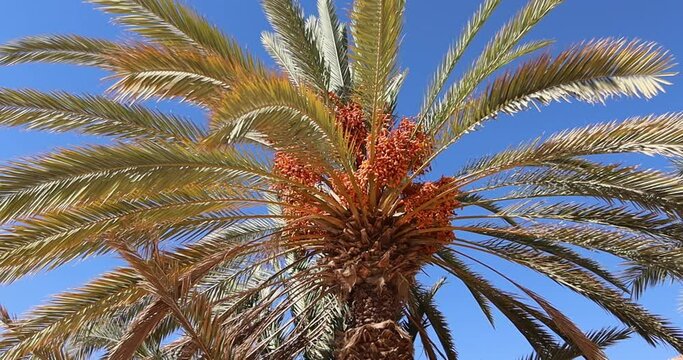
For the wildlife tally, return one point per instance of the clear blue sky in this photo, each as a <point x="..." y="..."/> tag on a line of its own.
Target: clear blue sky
<point x="430" y="27"/>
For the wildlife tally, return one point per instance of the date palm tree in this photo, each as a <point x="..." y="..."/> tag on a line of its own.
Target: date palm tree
<point x="294" y="223"/>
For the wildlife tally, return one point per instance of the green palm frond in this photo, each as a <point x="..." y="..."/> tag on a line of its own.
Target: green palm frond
<point x="651" y="135"/>
<point x="604" y="338"/>
<point x="78" y="233"/>
<point x="651" y="328"/>
<point x="376" y="27"/>
<point x="499" y="52"/>
<point x="621" y="218"/>
<point x="567" y="329"/>
<point x="527" y="320"/>
<point x="70" y="49"/>
<point x="550" y="245"/>
<point x="299" y="43"/>
<point x="334" y="40"/>
<point x="456" y="51"/>
<point x="50" y="182"/>
<point x="426" y="308"/>
<point x="143" y="72"/>
<point x="285" y="114"/>
<point x="168" y="23"/>
<point x="651" y="190"/>
<point x="590" y="72"/>
<point x="93" y="115"/>
<point x="278" y="52"/>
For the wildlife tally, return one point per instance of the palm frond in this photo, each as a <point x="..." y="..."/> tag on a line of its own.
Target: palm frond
<point x="567" y="329"/>
<point x="522" y="316"/>
<point x="603" y="337"/>
<point x="102" y="336"/>
<point x="278" y="52"/>
<point x="162" y="282"/>
<point x="591" y="72"/>
<point x="57" y="238"/>
<point x="531" y="241"/>
<point x="651" y="328"/>
<point x="456" y="51"/>
<point x="71" y="49"/>
<point x="650" y="135"/>
<point x="644" y="254"/>
<point x="424" y="300"/>
<point x="291" y="118"/>
<point x="54" y="321"/>
<point x="97" y="173"/>
<point x="376" y="28"/>
<point x="651" y="190"/>
<point x="287" y="19"/>
<point x="621" y="218"/>
<point x="334" y="41"/>
<point x="94" y="115"/>
<point x="498" y="52"/>
<point x="143" y="72"/>
<point x="168" y="23"/>
<point x="119" y="289"/>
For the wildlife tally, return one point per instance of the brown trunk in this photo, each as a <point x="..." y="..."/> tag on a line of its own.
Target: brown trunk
<point x="374" y="332"/>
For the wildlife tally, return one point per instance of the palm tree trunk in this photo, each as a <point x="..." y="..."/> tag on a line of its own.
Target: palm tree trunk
<point x="374" y="331"/>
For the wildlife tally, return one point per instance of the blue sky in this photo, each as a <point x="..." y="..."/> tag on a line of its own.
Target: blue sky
<point x="430" y="27"/>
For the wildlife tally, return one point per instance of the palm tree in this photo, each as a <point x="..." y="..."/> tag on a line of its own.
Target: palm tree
<point x="294" y="225"/>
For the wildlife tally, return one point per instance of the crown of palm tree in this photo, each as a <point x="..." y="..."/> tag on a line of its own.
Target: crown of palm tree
<point x="295" y="223"/>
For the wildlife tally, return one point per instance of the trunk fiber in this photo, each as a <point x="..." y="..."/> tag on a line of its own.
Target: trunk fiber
<point x="374" y="332"/>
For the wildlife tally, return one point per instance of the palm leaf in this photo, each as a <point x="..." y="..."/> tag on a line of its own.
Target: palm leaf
<point x="278" y="52"/>
<point x="651" y="135"/>
<point x="168" y="23"/>
<point x="651" y="328"/>
<point x="428" y="309"/>
<point x="376" y="28"/>
<point x="498" y="52"/>
<point x="70" y="49"/>
<point x="456" y="51"/>
<point x="651" y="190"/>
<point x="286" y="17"/>
<point x="291" y="118"/>
<point x="93" y="115"/>
<point x="57" y="181"/>
<point x="522" y="316"/>
<point x="144" y="72"/>
<point x="118" y="289"/>
<point x="591" y="72"/>
<point x="335" y="47"/>
<point x="604" y="338"/>
<point x="58" y="238"/>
